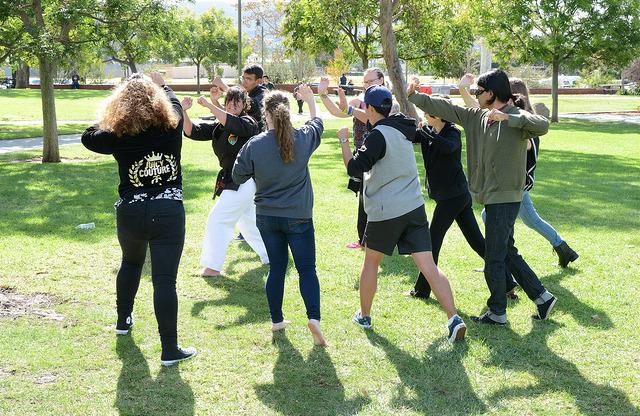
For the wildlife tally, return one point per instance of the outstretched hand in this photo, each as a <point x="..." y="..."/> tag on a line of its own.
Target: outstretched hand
<point x="466" y="81"/>
<point x="204" y="102"/>
<point x="413" y="86"/>
<point x="215" y="93"/>
<point x="186" y="103"/>
<point x="343" y="133"/>
<point x="323" y="86"/>
<point x="306" y="93"/>
<point x="156" y="78"/>
<point x="497" y="115"/>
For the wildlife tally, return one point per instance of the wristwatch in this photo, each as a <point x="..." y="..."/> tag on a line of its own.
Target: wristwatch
<point x="344" y="139"/>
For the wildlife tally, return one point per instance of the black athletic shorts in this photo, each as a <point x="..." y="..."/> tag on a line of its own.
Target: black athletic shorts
<point x="410" y="232"/>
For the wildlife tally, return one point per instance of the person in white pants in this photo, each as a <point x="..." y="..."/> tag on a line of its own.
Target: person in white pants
<point x="233" y="207"/>
<point x="231" y="130"/>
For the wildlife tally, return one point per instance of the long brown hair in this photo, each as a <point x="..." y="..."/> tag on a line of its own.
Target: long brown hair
<point x="276" y="104"/>
<point x="518" y="86"/>
<point x="135" y="106"/>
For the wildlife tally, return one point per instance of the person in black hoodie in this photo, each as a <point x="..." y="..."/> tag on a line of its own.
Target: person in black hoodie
<point x="447" y="185"/>
<point x="394" y="205"/>
<point x="141" y="126"/>
<point x="232" y="129"/>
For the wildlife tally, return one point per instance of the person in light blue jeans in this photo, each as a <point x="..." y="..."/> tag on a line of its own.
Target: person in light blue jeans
<point x="278" y="162"/>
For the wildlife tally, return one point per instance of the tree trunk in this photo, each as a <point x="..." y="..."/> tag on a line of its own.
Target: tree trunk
<point x="22" y="76"/>
<point x="365" y="60"/>
<point x="132" y="66"/>
<point x="198" y="76"/>
<point x="554" y="88"/>
<point x="390" y="52"/>
<point x="50" y="149"/>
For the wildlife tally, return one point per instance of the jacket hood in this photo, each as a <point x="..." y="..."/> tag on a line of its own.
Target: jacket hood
<point x="402" y="123"/>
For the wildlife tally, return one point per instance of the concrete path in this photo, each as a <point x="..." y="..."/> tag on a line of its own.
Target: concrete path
<point x="18" y="145"/>
<point x="612" y="117"/>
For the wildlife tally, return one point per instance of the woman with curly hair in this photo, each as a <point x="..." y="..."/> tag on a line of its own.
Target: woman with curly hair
<point x="141" y="126"/>
<point x="278" y="162"/>
<point x="231" y="130"/>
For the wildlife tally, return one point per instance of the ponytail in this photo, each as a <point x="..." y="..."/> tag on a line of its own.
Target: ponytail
<point x="276" y="105"/>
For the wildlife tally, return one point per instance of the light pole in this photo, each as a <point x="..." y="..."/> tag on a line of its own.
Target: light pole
<point x="259" y="23"/>
<point x="239" y="40"/>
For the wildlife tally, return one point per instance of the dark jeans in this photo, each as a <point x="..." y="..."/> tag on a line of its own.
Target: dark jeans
<point x="460" y="210"/>
<point x="160" y="225"/>
<point x="500" y="253"/>
<point x="362" y="215"/>
<point x="279" y="233"/>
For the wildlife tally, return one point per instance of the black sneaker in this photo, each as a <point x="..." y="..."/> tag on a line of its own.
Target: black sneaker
<point x="457" y="329"/>
<point x="486" y="319"/>
<point x="565" y="254"/>
<point x="179" y="355"/>
<point x="545" y="309"/>
<point x="239" y="237"/>
<point x="363" y="321"/>
<point x="124" y="326"/>
<point x="420" y="295"/>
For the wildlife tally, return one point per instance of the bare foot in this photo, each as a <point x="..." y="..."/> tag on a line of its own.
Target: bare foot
<point x="318" y="338"/>
<point x="280" y="325"/>
<point x="207" y="272"/>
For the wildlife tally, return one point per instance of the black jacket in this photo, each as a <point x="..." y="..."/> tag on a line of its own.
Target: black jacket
<point x="441" y="153"/>
<point x="148" y="162"/>
<point x="226" y="141"/>
<point x="257" y="95"/>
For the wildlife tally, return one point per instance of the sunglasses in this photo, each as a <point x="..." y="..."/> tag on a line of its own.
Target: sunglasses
<point x="479" y="92"/>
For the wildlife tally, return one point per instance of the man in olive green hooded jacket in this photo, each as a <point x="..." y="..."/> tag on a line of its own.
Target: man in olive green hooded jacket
<point x="496" y="138"/>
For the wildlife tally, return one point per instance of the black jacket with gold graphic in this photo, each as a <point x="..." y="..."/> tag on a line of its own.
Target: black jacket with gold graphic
<point x="148" y="162"/>
<point x="226" y="141"/>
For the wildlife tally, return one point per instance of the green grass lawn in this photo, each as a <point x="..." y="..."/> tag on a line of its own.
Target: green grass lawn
<point x="17" y="131"/>
<point x="585" y="360"/>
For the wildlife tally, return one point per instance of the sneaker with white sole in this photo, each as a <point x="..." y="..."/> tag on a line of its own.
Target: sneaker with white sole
<point x="124" y="326"/>
<point x="181" y="354"/>
<point x="457" y="329"/>
<point x="545" y="309"/>
<point x="363" y="321"/>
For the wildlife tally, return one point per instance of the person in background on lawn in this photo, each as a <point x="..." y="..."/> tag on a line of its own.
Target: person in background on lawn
<point x="528" y="214"/>
<point x="141" y="126"/>
<point x="496" y="134"/>
<point x="298" y="97"/>
<point x="447" y="185"/>
<point x="252" y="83"/>
<point x="394" y="204"/>
<point x="343" y="80"/>
<point x="355" y="109"/>
<point x="231" y="130"/>
<point x="278" y="161"/>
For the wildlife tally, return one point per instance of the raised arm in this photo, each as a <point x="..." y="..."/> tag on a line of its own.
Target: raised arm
<point x="217" y="111"/>
<point x="463" y="87"/>
<point x="440" y="107"/>
<point x="218" y="82"/>
<point x="332" y="108"/>
<point x="187" y="125"/>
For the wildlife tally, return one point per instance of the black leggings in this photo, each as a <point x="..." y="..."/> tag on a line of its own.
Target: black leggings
<point x="459" y="209"/>
<point x="160" y="225"/>
<point x="300" y="103"/>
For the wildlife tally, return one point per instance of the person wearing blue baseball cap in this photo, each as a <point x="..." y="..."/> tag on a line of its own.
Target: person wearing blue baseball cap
<point x="394" y="204"/>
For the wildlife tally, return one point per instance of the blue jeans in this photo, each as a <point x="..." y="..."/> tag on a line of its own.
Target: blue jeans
<point x="531" y="219"/>
<point x="501" y="252"/>
<point x="278" y="234"/>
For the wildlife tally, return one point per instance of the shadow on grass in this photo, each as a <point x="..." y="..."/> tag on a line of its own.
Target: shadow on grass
<point x="51" y="199"/>
<point x="438" y="381"/>
<point x="139" y="394"/>
<point x="553" y="374"/>
<point x="305" y="387"/>
<point x="246" y="292"/>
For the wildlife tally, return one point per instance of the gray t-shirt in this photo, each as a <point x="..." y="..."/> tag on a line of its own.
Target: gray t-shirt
<point x="282" y="189"/>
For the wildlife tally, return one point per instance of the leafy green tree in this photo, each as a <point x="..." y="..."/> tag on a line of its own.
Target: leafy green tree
<point x="49" y="31"/>
<point x="210" y="38"/>
<point x="561" y="32"/>
<point x="326" y="25"/>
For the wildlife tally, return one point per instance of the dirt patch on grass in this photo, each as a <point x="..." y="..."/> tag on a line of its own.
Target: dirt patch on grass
<point x="14" y="304"/>
<point x="38" y="159"/>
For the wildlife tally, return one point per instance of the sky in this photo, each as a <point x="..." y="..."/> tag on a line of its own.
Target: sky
<point x="226" y="5"/>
